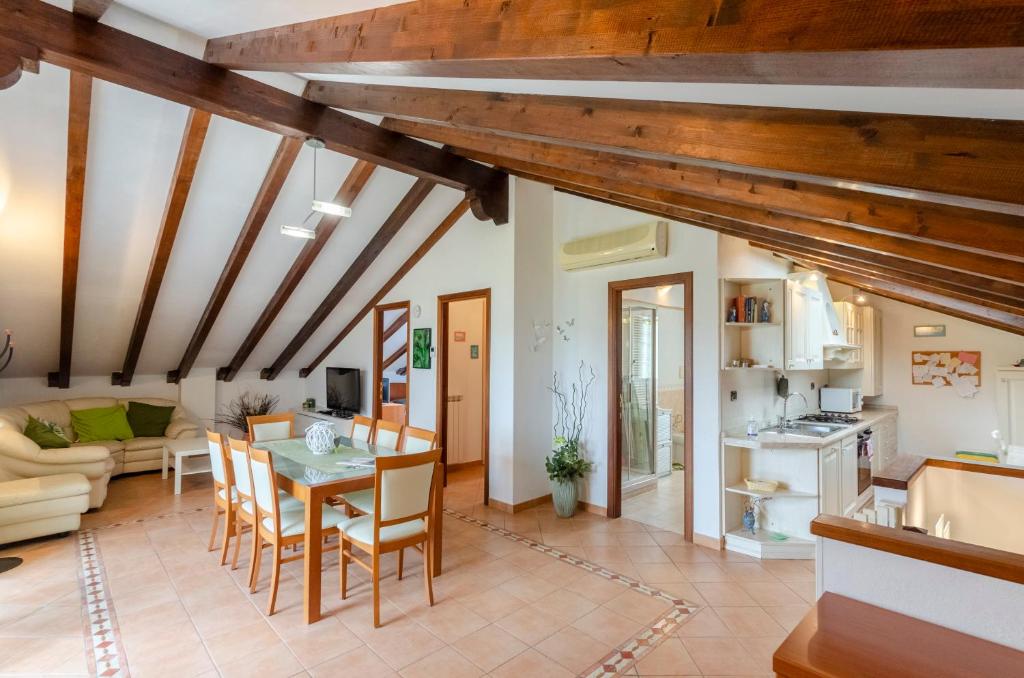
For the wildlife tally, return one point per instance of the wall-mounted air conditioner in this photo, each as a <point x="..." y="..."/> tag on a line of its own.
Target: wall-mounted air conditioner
<point x="647" y="241"/>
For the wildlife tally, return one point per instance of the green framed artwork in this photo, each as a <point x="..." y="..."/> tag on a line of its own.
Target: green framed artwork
<point x="421" y="348"/>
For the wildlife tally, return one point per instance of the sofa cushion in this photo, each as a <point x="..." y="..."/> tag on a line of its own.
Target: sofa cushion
<point x="14" y="492"/>
<point x="89" y="403"/>
<point x="145" y="443"/>
<point x="112" y="445"/>
<point x="45" y="434"/>
<point x="49" y="410"/>
<point x="101" y="423"/>
<point x="149" y="420"/>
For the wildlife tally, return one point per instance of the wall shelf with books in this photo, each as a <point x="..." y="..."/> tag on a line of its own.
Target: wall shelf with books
<point x="752" y="310"/>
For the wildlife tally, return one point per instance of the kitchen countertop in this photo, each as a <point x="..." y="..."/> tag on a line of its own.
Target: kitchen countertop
<point x="766" y="440"/>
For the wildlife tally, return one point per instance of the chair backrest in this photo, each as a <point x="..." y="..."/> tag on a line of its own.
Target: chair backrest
<point x="362" y="428"/>
<point x="240" y="465"/>
<point x="277" y="426"/>
<point x="264" y="483"/>
<point x="418" y="440"/>
<point x="218" y="468"/>
<point x="387" y="434"/>
<point x="405" y="486"/>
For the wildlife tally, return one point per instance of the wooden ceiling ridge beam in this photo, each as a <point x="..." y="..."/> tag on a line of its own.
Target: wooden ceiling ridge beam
<point x="399" y="353"/>
<point x="79" y="112"/>
<point x="862" y="42"/>
<point x="402" y="212"/>
<point x="280" y="165"/>
<point x="91" y="9"/>
<point x="350" y="189"/>
<point x="80" y="44"/>
<point x="996" y="233"/>
<point x="184" y="172"/>
<point x="945" y="257"/>
<point x="397" y="324"/>
<point x="981" y="159"/>
<point x="421" y="251"/>
<point x="16" y="58"/>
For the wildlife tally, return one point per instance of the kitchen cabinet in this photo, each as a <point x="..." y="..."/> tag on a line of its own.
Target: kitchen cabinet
<point x="805" y="327"/>
<point x="871" y="352"/>
<point x="848" y="475"/>
<point x="885" y="442"/>
<point x="829" y="481"/>
<point x="1010" y="404"/>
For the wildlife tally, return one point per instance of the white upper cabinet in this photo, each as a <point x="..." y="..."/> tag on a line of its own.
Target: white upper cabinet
<point x="805" y="326"/>
<point x="1010" y="402"/>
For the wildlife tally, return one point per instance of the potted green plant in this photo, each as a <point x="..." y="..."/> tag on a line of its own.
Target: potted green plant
<point x="567" y="465"/>
<point x="244" y="406"/>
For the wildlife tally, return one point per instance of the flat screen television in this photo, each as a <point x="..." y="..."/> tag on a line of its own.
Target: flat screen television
<point x="344" y="393"/>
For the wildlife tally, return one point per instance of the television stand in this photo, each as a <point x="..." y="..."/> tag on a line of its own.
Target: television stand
<point x="340" y="414"/>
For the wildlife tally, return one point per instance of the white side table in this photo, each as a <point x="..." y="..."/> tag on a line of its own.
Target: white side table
<point x="182" y="449"/>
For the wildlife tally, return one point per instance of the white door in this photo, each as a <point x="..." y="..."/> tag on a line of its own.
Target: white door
<point x="828" y="482"/>
<point x="848" y="470"/>
<point x="1010" y="401"/>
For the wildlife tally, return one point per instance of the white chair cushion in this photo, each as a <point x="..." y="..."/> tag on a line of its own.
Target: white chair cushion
<point x="361" y="529"/>
<point x="294" y="522"/>
<point x="286" y="501"/>
<point x="361" y="500"/>
<point x="234" y="494"/>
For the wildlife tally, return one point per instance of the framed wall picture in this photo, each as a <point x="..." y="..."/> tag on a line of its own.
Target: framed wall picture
<point x="421" y="348"/>
<point x="929" y="330"/>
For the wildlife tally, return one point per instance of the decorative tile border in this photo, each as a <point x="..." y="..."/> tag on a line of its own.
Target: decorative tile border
<point x="148" y="519"/>
<point x="104" y="652"/>
<point x="631" y="651"/>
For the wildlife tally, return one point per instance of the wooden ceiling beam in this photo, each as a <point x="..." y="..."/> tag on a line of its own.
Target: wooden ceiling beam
<point x="421" y="251"/>
<point x="91" y="48"/>
<point x="405" y="209"/>
<point x="350" y="189"/>
<point x="397" y="324"/>
<point x="860" y="42"/>
<point x="79" y="112"/>
<point x="970" y="157"/>
<point x="91" y="9"/>
<point x="995" y="233"/>
<point x="280" y="165"/>
<point x="399" y="353"/>
<point x="184" y="172"/>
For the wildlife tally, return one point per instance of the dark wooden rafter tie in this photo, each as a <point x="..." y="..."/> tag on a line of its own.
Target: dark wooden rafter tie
<point x="184" y="172"/>
<point x="280" y="166"/>
<point x="79" y="110"/>
<point x="867" y="42"/>
<point x="416" y="195"/>
<point x="397" y="324"/>
<point x="91" y="9"/>
<point x="399" y="353"/>
<point x="421" y="251"/>
<point x="16" y="58"/>
<point x="350" y="189"/>
<point x="976" y="158"/>
<point x="116" y="56"/>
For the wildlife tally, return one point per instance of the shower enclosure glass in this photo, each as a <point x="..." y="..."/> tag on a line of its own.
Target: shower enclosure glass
<point x="637" y="399"/>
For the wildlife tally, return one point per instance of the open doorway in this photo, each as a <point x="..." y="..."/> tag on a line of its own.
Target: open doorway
<point x="463" y="392"/>
<point x="650" y="411"/>
<point x="391" y="352"/>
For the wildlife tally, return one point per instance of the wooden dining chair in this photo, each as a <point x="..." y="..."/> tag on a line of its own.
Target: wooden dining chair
<point x="387" y="434"/>
<point x="418" y="440"/>
<point x="276" y="526"/>
<point x="362" y="428"/>
<point x="277" y="426"/>
<point x="402" y="517"/>
<point x="225" y="496"/>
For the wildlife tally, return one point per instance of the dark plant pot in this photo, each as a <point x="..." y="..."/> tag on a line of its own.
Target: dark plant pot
<point x="565" y="495"/>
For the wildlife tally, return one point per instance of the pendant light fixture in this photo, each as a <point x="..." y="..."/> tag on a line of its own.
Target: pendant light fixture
<point x="305" y="229"/>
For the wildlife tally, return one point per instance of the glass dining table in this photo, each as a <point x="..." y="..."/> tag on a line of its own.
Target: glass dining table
<point x="312" y="478"/>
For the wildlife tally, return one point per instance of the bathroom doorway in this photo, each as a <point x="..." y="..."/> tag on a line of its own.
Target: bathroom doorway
<point x="650" y="402"/>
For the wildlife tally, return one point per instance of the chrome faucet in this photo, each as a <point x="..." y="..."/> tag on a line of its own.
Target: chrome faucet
<point x="785" y="407"/>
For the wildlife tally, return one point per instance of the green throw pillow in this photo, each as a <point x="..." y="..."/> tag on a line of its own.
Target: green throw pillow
<point x="101" y="423"/>
<point x="148" y="421"/>
<point x="45" y="434"/>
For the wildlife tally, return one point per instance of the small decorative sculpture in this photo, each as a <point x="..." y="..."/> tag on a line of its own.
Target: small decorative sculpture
<point x="749" y="519"/>
<point x="730" y="316"/>
<point x="766" y="313"/>
<point x="320" y="437"/>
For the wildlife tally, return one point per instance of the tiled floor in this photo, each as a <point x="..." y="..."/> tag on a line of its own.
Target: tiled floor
<point x="506" y="606"/>
<point x="662" y="507"/>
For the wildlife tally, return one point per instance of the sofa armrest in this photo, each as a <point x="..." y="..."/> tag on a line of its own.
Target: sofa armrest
<point x="181" y="429"/>
<point x="73" y="455"/>
<point x="21" y="456"/>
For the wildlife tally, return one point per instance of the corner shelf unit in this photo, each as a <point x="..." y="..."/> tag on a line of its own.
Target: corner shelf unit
<point x="763" y="343"/>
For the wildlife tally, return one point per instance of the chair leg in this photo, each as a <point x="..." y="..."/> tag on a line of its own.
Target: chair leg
<point x="401" y="561"/>
<point x="257" y="555"/>
<point x="229" y="529"/>
<point x="343" y="566"/>
<point x="275" y="575"/>
<point x="426" y="572"/>
<point x="376" y="589"/>
<point x="238" y="542"/>
<point x="213" y="530"/>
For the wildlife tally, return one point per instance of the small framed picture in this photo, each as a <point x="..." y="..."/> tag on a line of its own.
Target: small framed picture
<point x="421" y="348"/>
<point x="459" y="335"/>
<point x="929" y="330"/>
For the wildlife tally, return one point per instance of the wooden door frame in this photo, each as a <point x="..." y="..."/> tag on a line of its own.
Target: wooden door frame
<point x="443" y="301"/>
<point x="378" y="355"/>
<point x="615" y="290"/>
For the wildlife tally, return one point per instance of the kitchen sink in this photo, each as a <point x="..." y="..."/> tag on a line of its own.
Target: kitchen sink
<point x="806" y="428"/>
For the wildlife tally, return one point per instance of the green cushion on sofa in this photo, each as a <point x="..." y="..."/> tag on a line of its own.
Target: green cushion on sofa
<point x="101" y="423"/>
<point x="45" y="434"/>
<point x="148" y="421"/>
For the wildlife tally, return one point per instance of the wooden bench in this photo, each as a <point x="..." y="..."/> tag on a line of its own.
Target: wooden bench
<point x="844" y="637"/>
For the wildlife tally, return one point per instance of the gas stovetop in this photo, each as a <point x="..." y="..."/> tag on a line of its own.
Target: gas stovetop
<point x="831" y="418"/>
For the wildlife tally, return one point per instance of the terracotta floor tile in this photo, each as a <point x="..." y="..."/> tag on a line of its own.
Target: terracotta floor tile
<point x="771" y="593"/>
<point x="686" y="553"/>
<point x="805" y="589"/>
<point x="533" y="664"/>
<point x="565" y="606"/>
<point x="639" y="538"/>
<point x="360" y="662"/>
<point x="747" y="572"/>
<point x="788" y="616"/>
<point x="52" y="620"/>
<point x="528" y="587"/>
<point x="595" y="588"/>
<point x="681" y="590"/>
<point x="647" y="554"/>
<point x="607" y="554"/>
<point x="704" y="623"/>
<point x="668" y="659"/>
<point x="314" y="644"/>
<point x="721" y="657"/>
<point x="489" y="647"/>
<point x="703" y="572"/>
<point x="639" y="607"/>
<point x="659" y="572"/>
<point x="573" y="649"/>
<point x="275" y="660"/>
<point x="762" y="649"/>
<point x="402" y="644"/>
<point x="493" y="604"/>
<point x="749" y="622"/>
<point x="236" y="642"/>
<point x="445" y="662"/>
<point x="449" y="620"/>
<point x="530" y="625"/>
<point x="789" y="570"/>
<point x="35" y="656"/>
<point x="608" y="627"/>
<point x="724" y="593"/>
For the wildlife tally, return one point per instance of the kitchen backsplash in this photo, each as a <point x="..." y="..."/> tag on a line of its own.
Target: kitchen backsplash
<point x="756" y="396"/>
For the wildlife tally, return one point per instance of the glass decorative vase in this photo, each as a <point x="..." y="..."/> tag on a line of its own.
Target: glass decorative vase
<point x="320" y="437"/>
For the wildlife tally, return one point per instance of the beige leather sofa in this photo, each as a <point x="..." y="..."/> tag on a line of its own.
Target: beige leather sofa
<point x="37" y="507"/>
<point x="97" y="461"/>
